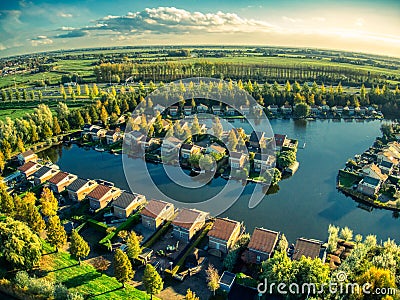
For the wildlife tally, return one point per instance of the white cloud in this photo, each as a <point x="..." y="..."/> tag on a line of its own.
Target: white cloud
<point x="359" y="22"/>
<point x="64" y="15"/>
<point x="2" y="47"/>
<point x="41" y="40"/>
<point x="292" y="20"/>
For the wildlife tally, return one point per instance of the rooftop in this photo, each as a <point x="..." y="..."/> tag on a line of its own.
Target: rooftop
<point x="154" y="208"/>
<point x="99" y="191"/>
<point x="58" y="177"/>
<point x="186" y="217"/>
<point x="236" y="155"/>
<point x="223" y="228"/>
<point x="27" y="153"/>
<point x="77" y="184"/>
<point x="25" y="167"/>
<point x="125" y="199"/>
<point x="42" y="171"/>
<point x="307" y="248"/>
<point x="263" y="240"/>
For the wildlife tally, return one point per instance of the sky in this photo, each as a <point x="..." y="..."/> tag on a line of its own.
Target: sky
<point x="353" y="25"/>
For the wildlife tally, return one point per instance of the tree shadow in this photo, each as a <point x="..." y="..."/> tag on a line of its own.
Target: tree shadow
<point x="63" y="268"/>
<point x="80" y="279"/>
<point x="106" y="292"/>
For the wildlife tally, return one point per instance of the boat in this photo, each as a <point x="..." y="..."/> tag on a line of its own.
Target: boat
<point x="99" y="149"/>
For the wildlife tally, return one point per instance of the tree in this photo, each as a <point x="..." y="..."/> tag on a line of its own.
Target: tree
<point x="122" y="267"/>
<point x="377" y="279"/>
<point x="206" y="162"/>
<point x="333" y="238"/>
<point x="6" y="201"/>
<point x="278" y="269"/>
<point x="2" y="162"/>
<point x="33" y="218"/>
<point x="232" y="141"/>
<point x="95" y="90"/>
<point x="212" y="279"/>
<point x="56" y="126"/>
<point x="62" y="110"/>
<point x="217" y="128"/>
<point x="46" y="133"/>
<point x="191" y="295"/>
<point x="133" y="243"/>
<point x="283" y="243"/>
<point x="6" y="149"/>
<point x="19" y="245"/>
<point x="20" y="145"/>
<point x="195" y="129"/>
<point x="48" y="202"/>
<point x="286" y="158"/>
<point x="104" y="115"/>
<point x="40" y="95"/>
<point x="86" y="89"/>
<point x="301" y="110"/>
<point x="101" y="264"/>
<point x="152" y="281"/>
<point x="56" y="234"/>
<point x="78" y="247"/>
<point x="78" y="89"/>
<point x="346" y="233"/>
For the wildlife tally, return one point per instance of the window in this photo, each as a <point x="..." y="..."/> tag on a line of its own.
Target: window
<point x="258" y="258"/>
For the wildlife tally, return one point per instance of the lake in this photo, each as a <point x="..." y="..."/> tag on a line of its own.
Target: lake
<point x="305" y="204"/>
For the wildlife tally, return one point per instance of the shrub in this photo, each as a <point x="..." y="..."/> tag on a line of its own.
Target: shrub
<point x="22" y="279"/>
<point x="60" y="292"/>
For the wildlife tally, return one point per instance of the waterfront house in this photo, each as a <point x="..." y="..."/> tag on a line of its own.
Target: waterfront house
<point x="230" y="111"/>
<point x="369" y="186"/>
<point x="245" y="110"/>
<point x="202" y="108"/>
<point x="373" y="171"/>
<point x="351" y="110"/>
<point x="279" y="141"/>
<point x="237" y="159"/>
<point x="97" y="133"/>
<point x="223" y="234"/>
<point x="261" y="246"/>
<point x="126" y="203"/>
<point x="217" y="110"/>
<point x="113" y="136"/>
<point x="170" y="145"/>
<point x="315" y="109"/>
<point x="309" y="248"/>
<point x="27" y="156"/>
<point x="187" y="110"/>
<point x="155" y="213"/>
<point x="79" y="188"/>
<point x="286" y="109"/>
<point x="87" y="128"/>
<point x="101" y="195"/>
<point x="60" y="181"/>
<point x="363" y="110"/>
<point x="339" y="109"/>
<point x="325" y="108"/>
<point x="215" y="148"/>
<point x="187" y="223"/>
<point x="273" y="108"/>
<point x="386" y="167"/>
<point x="44" y="174"/>
<point x="132" y="138"/>
<point x="290" y="144"/>
<point x="188" y="149"/>
<point x="29" y="168"/>
<point x="397" y="135"/>
<point x="146" y="142"/>
<point x="388" y="156"/>
<point x="257" y="138"/>
<point x="173" y="110"/>
<point x="261" y="161"/>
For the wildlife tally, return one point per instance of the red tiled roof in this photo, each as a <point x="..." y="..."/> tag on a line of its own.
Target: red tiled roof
<point x="235" y="155"/>
<point x="279" y="139"/>
<point x="154" y="208"/>
<point x="27" y="166"/>
<point x="186" y="218"/>
<point x="308" y="248"/>
<point x="263" y="240"/>
<point x="27" y="153"/>
<point x="58" y="177"/>
<point x="99" y="191"/>
<point x="223" y="228"/>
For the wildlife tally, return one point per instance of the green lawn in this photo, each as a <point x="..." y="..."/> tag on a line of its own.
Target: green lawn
<point x="347" y="179"/>
<point x="85" y="279"/>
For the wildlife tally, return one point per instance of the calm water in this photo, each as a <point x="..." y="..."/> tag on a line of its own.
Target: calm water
<point x="305" y="204"/>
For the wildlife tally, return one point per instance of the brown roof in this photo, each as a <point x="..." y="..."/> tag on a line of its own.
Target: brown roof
<point x="58" y="177"/>
<point x="186" y="217"/>
<point x="223" y="228"/>
<point x="218" y="148"/>
<point x="279" y="139"/>
<point x="25" y="167"/>
<point x="154" y="208"/>
<point x="99" y="191"/>
<point x="263" y="240"/>
<point x="27" y="153"/>
<point x="308" y="248"/>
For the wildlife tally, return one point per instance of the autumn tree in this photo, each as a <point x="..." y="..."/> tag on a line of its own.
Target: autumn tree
<point x="33" y="218"/>
<point x="56" y="234"/>
<point x="104" y="115"/>
<point x="78" y="247"/>
<point x="122" y="267"/>
<point x="217" y="128"/>
<point x="2" y="162"/>
<point x="152" y="281"/>
<point x="6" y="201"/>
<point x="101" y="264"/>
<point x="212" y="279"/>
<point x="133" y="243"/>
<point x="232" y="141"/>
<point x="48" y="202"/>
<point x="56" y="126"/>
<point x="191" y="295"/>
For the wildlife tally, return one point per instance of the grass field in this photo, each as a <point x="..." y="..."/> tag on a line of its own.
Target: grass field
<point x="85" y="279"/>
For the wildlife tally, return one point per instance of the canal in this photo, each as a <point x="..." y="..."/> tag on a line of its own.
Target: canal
<point x="305" y="204"/>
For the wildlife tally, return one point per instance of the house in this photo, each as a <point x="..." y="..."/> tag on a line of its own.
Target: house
<point x="257" y="109"/>
<point x="261" y="246"/>
<point x="155" y="213"/>
<point x="170" y="145"/>
<point x="216" y="109"/>
<point x="87" y="128"/>
<point x="351" y="110"/>
<point x="215" y="148"/>
<point x="315" y="109"/>
<point x="257" y="138"/>
<point x="44" y="174"/>
<point x="159" y="108"/>
<point x="362" y="110"/>
<point x="237" y="159"/>
<point x="27" y="156"/>
<point x="286" y="109"/>
<point x="388" y="156"/>
<point x="279" y="141"/>
<point x="126" y="203"/>
<point x="369" y="186"/>
<point x="97" y="133"/>
<point x="373" y="171"/>
<point x="187" y="110"/>
<point x="101" y="195"/>
<point x="261" y="161"/>
<point x="309" y="248"/>
<point x="244" y="109"/>
<point x="187" y="223"/>
<point x="339" y="109"/>
<point x="60" y="181"/>
<point x="325" y="108"/>
<point x="146" y="142"/>
<point x="29" y="168"/>
<point x="386" y="167"/>
<point x="173" y="110"/>
<point x="273" y="108"/>
<point x="223" y="234"/>
<point x="290" y="144"/>
<point x="188" y="149"/>
<point x="397" y="135"/>
<point x="230" y="111"/>
<point x="226" y="281"/>
<point x="113" y="136"/>
<point x="132" y="138"/>
<point x="79" y="188"/>
<point x="202" y="108"/>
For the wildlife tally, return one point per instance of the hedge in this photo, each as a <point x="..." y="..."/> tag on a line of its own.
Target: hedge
<point x="99" y="226"/>
<point x="157" y="235"/>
